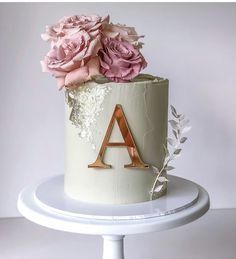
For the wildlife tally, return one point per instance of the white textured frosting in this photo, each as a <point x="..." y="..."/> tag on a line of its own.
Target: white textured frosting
<point x="145" y="105"/>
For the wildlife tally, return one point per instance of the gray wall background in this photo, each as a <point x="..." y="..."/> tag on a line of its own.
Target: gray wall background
<point x="193" y="45"/>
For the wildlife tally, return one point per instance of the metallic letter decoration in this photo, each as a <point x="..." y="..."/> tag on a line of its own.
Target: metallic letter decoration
<point x="129" y="143"/>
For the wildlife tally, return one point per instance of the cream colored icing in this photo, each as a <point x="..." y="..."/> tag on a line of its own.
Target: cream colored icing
<point x="145" y="104"/>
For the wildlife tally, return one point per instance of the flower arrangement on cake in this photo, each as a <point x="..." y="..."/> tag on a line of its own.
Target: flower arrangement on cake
<point x="98" y="63"/>
<point x="86" y="46"/>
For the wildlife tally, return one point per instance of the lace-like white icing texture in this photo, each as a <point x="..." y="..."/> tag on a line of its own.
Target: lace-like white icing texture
<point x="86" y="103"/>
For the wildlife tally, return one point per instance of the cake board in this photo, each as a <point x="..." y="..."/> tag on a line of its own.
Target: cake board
<point x="45" y="203"/>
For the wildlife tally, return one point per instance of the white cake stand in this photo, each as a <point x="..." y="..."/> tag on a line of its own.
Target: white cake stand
<point x="46" y="204"/>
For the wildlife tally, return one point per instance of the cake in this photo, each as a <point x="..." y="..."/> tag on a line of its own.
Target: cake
<point x="144" y="104"/>
<point x="116" y="118"/>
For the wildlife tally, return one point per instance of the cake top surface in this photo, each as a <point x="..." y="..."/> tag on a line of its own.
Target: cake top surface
<point x="141" y="78"/>
<point x="84" y="47"/>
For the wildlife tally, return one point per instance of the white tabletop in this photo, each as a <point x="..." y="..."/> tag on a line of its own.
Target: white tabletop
<point x="45" y="203"/>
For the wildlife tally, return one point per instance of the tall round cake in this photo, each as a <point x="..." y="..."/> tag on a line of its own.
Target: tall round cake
<point x="144" y="105"/>
<point x="117" y="150"/>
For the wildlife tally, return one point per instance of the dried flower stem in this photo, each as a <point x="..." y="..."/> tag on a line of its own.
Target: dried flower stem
<point x="156" y="180"/>
<point x="178" y="128"/>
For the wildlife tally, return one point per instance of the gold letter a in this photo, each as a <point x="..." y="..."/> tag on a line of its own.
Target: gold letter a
<point x="129" y="143"/>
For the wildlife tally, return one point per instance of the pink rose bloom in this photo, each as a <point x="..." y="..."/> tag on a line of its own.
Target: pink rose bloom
<point x="121" y="32"/>
<point x="72" y="24"/>
<point x="120" y="61"/>
<point x="72" y="60"/>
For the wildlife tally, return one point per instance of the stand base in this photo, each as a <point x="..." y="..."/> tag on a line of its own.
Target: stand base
<point x="180" y="206"/>
<point x="113" y="247"/>
<point x="181" y="195"/>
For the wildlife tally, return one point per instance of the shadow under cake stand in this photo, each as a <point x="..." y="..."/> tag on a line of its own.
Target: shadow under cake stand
<point x="46" y="204"/>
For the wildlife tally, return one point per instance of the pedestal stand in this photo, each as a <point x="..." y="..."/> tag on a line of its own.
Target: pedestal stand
<point x="46" y="204"/>
<point x="113" y="247"/>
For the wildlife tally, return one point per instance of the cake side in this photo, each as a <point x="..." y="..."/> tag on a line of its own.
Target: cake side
<point x="145" y="105"/>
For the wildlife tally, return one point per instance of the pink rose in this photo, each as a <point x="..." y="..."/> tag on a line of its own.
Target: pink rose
<point x="72" y="60"/>
<point x="120" y="61"/>
<point x="121" y="32"/>
<point x="72" y="24"/>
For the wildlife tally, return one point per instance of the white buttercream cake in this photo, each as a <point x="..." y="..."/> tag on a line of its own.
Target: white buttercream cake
<point x="145" y="105"/>
<point x="116" y="117"/>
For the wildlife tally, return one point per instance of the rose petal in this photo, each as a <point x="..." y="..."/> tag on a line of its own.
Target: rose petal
<point x="105" y="19"/>
<point x="104" y="64"/>
<point x="93" y="67"/>
<point x="77" y="76"/>
<point x="104" y="57"/>
<point x="60" y="82"/>
<point x="80" y="55"/>
<point x="44" y="66"/>
<point x="93" y="48"/>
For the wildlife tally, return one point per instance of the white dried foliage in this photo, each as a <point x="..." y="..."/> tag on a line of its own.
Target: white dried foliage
<point x="183" y="139"/>
<point x="177" y="151"/>
<point x="186" y="129"/>
<point x="169" y="167"/>
<point x="175" y="134"/>
<point x="159" y="188"/>
<point x="174" y="124"/>
<point x="179" y="125"/>
<point x="155" y="170"/>
<point x="162" y="179"/>
<point x="171" y="141"/>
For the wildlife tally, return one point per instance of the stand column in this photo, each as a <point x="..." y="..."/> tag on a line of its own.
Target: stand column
<point x="113" y="247"/>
